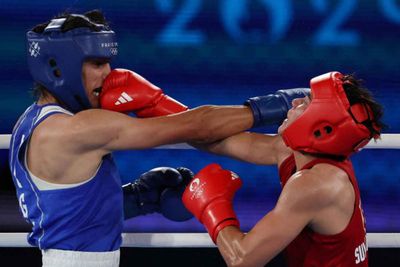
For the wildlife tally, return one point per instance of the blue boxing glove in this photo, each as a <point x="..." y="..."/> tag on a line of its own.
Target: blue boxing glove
<point x="143" y="196"/>
<point x="171" y="199"/>
<point x="272" y="109"/>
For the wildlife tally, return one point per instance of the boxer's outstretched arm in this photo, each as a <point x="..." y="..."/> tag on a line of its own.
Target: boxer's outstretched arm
<point x="108" y="131"/>
<point x="259" y="148"/>
<point x="250" y="147"/>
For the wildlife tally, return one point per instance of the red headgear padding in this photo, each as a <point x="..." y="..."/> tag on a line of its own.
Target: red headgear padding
<point x="329" y="125"/>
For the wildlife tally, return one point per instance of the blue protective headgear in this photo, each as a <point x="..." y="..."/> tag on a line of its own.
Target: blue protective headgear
<point x="55" y="58"/>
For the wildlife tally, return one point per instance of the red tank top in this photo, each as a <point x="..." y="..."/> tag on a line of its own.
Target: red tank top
<point x="347" y="248"/>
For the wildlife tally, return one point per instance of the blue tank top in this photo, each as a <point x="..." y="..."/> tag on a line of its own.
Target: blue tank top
<point x="87" y="217"/>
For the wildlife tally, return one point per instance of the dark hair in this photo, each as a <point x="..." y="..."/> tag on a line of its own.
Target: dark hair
<point x="39" y="91"/>
<point x="71" y="22"/>
<point x="356" y="93"/>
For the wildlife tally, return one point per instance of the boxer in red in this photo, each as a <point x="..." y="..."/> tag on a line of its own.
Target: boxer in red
<point x="318" y="218"/>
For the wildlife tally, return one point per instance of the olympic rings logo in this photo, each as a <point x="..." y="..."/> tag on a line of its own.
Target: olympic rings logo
<point x="114" y="51"/>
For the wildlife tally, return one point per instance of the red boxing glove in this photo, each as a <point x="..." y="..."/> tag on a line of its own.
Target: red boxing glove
<point x="209" y="197"/>
<point x="125" y="91"/>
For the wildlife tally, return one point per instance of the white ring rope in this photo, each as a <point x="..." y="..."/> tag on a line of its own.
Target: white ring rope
<point x="5" y="141"/>
<point x="387" y="141"/>
<point x="187" y="240"/>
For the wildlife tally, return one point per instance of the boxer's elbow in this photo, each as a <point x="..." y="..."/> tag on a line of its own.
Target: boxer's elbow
<point x="242" y="260"/>
<point x="233" y="249"/>
<point x="237" y="259"/>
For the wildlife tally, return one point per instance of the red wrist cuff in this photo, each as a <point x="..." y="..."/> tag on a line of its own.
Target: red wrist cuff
<point x="217" y="216"/>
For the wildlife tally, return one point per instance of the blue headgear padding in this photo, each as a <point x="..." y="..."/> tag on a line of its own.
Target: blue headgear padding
<point x="55" y="58"/>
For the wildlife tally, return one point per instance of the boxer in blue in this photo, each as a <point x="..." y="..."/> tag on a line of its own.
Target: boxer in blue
<point x="67" y="183"/>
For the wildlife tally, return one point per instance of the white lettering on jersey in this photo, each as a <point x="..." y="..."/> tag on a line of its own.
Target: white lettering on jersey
<point x="361" y="253"/>
<point x="22" y="205"/>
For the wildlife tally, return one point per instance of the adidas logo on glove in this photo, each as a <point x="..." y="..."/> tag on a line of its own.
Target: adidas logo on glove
<point x="123" y="98"/>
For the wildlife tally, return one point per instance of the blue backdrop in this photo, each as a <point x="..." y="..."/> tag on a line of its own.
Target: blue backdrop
<point x="222" y="52"/>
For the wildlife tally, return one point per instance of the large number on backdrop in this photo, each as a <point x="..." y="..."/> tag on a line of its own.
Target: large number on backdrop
<point x="235" y="12"/>
<point x="330" y="31"/>
<point x="176" y="31"/>
<point x="234" y="15"/>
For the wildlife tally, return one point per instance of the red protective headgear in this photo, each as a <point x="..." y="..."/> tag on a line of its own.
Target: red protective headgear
<point x="329" y="125"/>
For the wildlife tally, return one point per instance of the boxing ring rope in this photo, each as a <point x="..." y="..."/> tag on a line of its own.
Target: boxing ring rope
<point x="187" y="240"/>
<point x="202" y="240"/>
